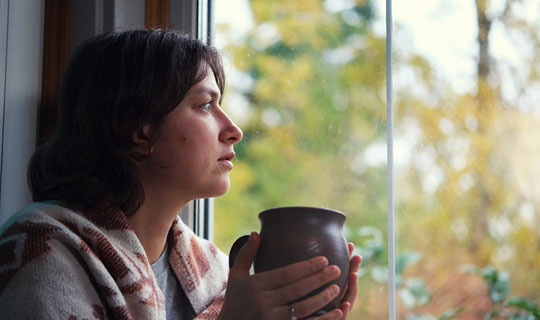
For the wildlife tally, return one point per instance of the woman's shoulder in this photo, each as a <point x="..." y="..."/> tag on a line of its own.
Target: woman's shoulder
<point x="36" y="260"/>
<point x="35" y="218"/>
<point x="41" y="276"/>
<point x="45" y="229"/>
<point x="34" y="232"/>
<point x="37" y="210"/>
<point x="47" y="248"/>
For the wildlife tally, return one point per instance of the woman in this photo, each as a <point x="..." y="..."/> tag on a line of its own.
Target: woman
<point x="141" y="133"/>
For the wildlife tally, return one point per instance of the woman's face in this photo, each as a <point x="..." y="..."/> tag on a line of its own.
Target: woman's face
<point x="191" y="157"/>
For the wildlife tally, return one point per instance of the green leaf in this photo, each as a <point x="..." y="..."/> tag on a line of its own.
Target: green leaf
<point x="370" y="243"/>
<point x="418" y="289"/>
<point x="414" y="293"/>
<point x="406" y="259"/>
<point x="522" y="316"/>
<point x="500" y="289"/>
<point x="492" y="314"/>
<point x="524" y="304"/>
<point x="499" y="286"/>
<point x="490" y="274"/>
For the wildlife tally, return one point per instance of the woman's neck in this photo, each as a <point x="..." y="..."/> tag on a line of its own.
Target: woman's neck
<point x="152" y="223"/>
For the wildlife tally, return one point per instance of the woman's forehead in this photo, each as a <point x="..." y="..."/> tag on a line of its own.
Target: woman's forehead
<point x="207" y="86"/>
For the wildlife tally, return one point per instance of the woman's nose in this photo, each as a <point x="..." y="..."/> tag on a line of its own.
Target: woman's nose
<point x="230" y="133"/>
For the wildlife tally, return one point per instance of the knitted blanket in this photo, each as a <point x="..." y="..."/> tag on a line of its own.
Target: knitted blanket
<point x="59" y="264"/>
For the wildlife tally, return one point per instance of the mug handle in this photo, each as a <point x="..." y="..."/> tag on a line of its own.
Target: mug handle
<point x="237" y="245"/>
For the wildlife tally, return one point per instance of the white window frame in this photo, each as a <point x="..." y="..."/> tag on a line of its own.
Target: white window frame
<point x="21" y="47"/>
<point x="4" y="8"/>
<point x="390" y="166"/>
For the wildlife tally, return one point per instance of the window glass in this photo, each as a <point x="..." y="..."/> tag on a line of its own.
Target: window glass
<point x="306" y="83"/>
<point x="467" y="156"/>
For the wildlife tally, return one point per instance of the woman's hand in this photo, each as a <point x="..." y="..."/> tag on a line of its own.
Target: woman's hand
<point x="266" y="295"/>
<point x="352" y="283"/>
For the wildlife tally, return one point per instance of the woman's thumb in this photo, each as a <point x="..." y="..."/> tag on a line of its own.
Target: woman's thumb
<point x="246" y="255"/>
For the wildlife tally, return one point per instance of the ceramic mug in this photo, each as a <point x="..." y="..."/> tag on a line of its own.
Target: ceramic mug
<point x="294" y="234"/>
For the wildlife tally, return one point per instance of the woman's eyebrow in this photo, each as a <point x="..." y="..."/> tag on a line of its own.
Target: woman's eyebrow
<point x="207" y="90"/>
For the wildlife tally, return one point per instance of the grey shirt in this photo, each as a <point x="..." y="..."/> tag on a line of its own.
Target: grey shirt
<point x="177" y="304"/>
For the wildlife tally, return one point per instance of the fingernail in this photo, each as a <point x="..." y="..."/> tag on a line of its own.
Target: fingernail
<point x="332" y="271"/>
<point x="334" y="290"/>
<point x="249" y="241"/>
<point x="320" y="262"/>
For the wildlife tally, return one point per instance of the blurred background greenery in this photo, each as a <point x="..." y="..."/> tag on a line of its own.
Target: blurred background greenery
<point x="307" y="86"/>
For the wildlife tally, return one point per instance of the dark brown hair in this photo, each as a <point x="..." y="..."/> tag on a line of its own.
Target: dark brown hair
<point x="114" y="84"/>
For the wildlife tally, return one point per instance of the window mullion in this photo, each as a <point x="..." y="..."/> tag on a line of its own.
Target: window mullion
<point x="390" y="166"/>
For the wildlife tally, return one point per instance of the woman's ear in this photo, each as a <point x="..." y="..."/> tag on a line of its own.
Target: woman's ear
<point x="141" y="139"/>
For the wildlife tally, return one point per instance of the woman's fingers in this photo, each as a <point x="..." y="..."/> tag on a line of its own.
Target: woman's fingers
<point x="352" y="289"/>
<point x="308" y="306"/>
<point x="351" y="286"/>
<point x="280" y="277"/>
<point x="345" y="307"/>
<point x="245" y="257"/>
<point x="270" y="292"/>
<point x="308" y="284"/>
<point x="355" y="263"/>
<point x="352" y="283"/>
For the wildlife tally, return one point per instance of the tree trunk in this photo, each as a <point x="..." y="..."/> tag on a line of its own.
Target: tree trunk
<point x="479" y="227"/>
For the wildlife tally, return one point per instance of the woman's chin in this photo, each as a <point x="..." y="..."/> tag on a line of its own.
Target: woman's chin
<point x="218" y="189"/>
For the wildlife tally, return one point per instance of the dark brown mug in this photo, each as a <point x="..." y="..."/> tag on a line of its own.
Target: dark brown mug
<point x="294" y="234"/>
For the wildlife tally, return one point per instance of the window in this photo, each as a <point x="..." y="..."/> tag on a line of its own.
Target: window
<point x="307" y="83"/>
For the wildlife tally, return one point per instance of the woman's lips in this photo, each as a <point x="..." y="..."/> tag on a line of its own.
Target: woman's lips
<point x="227" y="160"/>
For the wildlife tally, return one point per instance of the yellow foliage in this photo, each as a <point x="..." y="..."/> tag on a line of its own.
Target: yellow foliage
<point x="241" y="57"/>
<point x="242" y="176"/>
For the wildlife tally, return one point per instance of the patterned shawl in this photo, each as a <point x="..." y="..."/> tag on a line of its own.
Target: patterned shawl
<point x="59" y="264"/>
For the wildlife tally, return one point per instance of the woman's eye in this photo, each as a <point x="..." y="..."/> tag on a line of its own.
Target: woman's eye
<point x="207" y="106"/>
